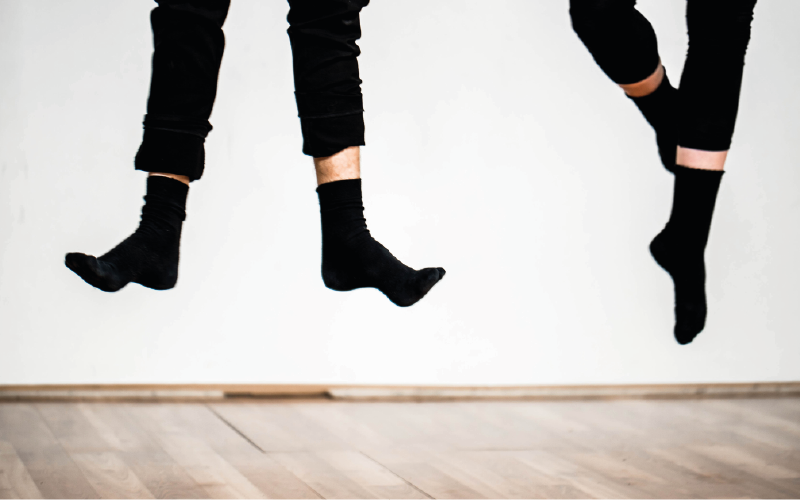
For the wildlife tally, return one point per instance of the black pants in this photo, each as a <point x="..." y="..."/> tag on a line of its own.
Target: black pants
<point x="189" y="43"/>
<point x="624" y="45"/>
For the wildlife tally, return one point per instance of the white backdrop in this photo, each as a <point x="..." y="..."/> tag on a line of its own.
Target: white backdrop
<point x="496" y="149"/>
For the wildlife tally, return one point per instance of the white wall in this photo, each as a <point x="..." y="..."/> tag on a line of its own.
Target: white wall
<point x="496" y="149"/>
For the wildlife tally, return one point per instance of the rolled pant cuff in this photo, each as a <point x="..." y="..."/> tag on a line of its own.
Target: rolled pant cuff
<point x="181" y="124"/>
<point x="171" y="153"/>
<point x="703" y="143"/>
<point x="328" y="136"/>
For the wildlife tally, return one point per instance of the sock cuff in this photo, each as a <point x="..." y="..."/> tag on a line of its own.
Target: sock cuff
<point x="165" y="194"/>
<point x="700" y="174"/>
<point x="171" y="188"/>
<point x="335" y="192"/>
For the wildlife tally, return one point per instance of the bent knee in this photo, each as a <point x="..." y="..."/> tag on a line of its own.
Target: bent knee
<point x="311" y="11"/>
<point x="590" y="16"/>
<point x="211" y="10"/>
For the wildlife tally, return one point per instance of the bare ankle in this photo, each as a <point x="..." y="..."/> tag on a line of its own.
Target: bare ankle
<point x="346" y="164"/>
<point x="184" y="179"/>
<point x="701" y="160"/>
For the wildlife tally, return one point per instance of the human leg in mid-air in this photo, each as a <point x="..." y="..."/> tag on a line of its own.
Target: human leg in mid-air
<point x="188" y="45"/>
<point x="323" y="35"/>
<point x="693" y="126"/>
<point x="624" y="45"/>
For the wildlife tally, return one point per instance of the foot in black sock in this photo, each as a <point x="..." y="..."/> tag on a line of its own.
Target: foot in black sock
<point x="680" y="247"/>
<point x="688" y="272"/>
<point x="352" y="259"/>
<point x="660" y="110"/>
<point x="150" y="255"/>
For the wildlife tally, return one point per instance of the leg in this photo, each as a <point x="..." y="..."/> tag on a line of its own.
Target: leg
<point x="719" y="32"/>
<point x="188" y="40"/>
<point x="323" y="34"/>
<point x="351" y="258"/>
<point x="624" y="45"/>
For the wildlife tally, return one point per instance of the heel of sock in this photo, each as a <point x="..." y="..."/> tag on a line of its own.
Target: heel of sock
<point x="659" y="251"/>
<point x="338" y="280"/>
<point x="159" y="281"/>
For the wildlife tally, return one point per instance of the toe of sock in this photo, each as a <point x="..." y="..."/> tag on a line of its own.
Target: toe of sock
<point x="429" y="277"/>
<point x="99" y="274"/>
<point x="79" y="263"/>
<point x="689" y="322"/>
<point x="422" y="283"/>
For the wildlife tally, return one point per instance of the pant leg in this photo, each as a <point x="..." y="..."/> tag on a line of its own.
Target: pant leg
<point x="618" y="36"/>
<point x="188" y="46"/>
<point x="323" y="36"/>
<point x="719" y="32"/>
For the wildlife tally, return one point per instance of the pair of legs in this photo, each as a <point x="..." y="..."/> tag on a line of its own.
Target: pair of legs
<point x="692" y="158"/>
<point x="189" y="44"/>
<point x="693" y="124"/>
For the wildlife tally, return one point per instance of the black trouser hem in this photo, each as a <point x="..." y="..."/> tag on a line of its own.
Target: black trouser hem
<point x="171" y="152"/>
<point x="326" y="136"/>
<point x="702" y="144"/>
<point x="179" y="124"/>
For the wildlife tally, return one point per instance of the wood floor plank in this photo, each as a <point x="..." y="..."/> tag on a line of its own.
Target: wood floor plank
<point x="468" y="449"/>
<point x="728" y="481"/>
<point x="269" y="476"/>
<point x="733" y="422"/>
<point x="513" y="479"/>
<point x="217" y="457"/>
<point x="286" y="433"/>
<point x="461" y="473"/>
<point x="280" y="427"/>
<point x="15" y="482"/>
<point x="117" y="458"/>
<point x="162" y="476"/>
<point x="762" y="413"/>
<point x="110" y="475"/>
<point x="593" y="482"/>
<point x="52" y="470"/>
<point x="345" y="425"/>
<point x="417" y="465"/>
<point x="213" y="473"/>
<point x="748" y="462"/>
<point x="71" y="428"/>
<point x="684" y="425"/>
<point x="504" y="427"/>
<point x="346" y="474"/>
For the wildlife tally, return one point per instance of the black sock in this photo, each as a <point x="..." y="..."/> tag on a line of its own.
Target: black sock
<point x="660" y="110"/>
<point x="680" y="246"/>
<point x="352" y="259"/>
<point x="150" y="255"/>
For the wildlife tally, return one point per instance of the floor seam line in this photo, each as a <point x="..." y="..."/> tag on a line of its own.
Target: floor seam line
<point x="399" y="476"/>
<point x="237" y="431"/>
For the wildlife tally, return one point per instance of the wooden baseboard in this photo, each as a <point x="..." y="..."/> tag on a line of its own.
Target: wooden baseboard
<point x="159" y="392"/>
<point x="655" y="391"/>
<point x="239" y="392"/>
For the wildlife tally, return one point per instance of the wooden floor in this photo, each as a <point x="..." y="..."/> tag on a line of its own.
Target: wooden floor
<point x="500" y="449"/>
